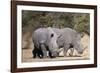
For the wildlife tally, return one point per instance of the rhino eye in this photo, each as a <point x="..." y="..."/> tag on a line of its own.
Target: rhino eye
<point x="52" y="35"/>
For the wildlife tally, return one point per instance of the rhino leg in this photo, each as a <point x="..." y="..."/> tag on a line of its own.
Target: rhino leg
<point x="37" y="52"/>
<point x="66" y="47"/>
<point x="34" y="52"/>
<point x="40" y="53"/>
<point x="44" y="50"/>
<point x="71" y="51"/>
<point x="71" y="48"/>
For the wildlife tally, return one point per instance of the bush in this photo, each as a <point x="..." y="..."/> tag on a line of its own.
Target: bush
<point x="32" y="20"/>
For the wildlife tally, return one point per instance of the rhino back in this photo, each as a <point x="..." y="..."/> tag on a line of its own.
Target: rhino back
<point x="57" y="31"/>
<point x="68" y="34"/>
<point x="39" y="36"/>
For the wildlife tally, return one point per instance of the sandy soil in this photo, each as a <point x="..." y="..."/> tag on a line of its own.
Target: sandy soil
<point x="27" y="54"/>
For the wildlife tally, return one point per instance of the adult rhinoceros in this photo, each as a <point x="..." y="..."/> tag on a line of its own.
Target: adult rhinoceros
<point x="44" y="39"/>
<point x="69" y="39"/>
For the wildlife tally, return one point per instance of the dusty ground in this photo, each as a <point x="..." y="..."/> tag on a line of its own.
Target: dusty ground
<point x="27" y="53"/>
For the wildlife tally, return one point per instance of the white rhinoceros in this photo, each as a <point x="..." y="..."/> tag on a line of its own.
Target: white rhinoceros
<point x="44" y="40"/>
<point x="68" y="39"/>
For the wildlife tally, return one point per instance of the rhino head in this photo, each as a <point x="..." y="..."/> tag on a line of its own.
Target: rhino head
<point x="77" y="44"/>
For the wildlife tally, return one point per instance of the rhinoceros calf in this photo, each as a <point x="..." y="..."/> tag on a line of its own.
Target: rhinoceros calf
<point x="44" y="40"/>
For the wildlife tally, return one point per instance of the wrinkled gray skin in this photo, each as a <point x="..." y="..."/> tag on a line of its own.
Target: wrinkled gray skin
<point x="43" y="37"/>
<point x="69" y="38"/>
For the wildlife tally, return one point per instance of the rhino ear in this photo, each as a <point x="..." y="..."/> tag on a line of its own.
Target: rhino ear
<point x="80" y="34"/>
<point x="52" y="35"/>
